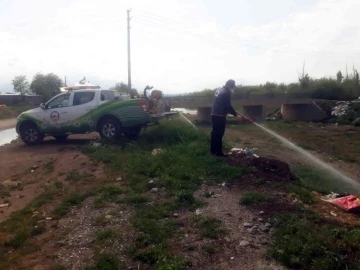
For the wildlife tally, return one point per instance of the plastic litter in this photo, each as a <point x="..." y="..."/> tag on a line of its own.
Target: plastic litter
<point x="350" y="203"/>
<point x="96" y="144"/>
<point x="156" y="151"/>
<point x="246" y="151"/>
<point x="341" y="108"/>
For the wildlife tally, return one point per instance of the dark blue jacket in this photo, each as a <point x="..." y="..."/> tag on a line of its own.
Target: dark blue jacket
<point x="222" y="105"/>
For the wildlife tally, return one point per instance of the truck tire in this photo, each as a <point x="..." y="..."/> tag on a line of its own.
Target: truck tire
<point x="110" y="129"/>
<point x="30" y="134"/>
<point x="60" y="138"/>
<point x="132" y="132"/>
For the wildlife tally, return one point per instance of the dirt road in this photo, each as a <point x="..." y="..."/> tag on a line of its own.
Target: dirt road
<point x="7" y="123"/>
<point x="27" y="170"/>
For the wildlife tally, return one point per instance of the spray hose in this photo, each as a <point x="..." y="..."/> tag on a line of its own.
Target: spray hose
<point x="246" y="118"/>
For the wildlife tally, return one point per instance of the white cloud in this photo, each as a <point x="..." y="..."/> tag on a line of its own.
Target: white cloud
<point x="189" y="51"/>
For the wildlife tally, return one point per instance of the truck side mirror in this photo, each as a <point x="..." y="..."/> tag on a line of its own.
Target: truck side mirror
<point x="43" y="106"/>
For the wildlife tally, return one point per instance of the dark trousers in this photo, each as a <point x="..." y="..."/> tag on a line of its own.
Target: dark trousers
<point x="217" y="133"/>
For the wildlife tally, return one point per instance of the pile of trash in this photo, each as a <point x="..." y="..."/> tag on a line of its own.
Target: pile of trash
<point x="349" y="203"/>
<point x="243" y="152"/>
<point x="270" y="169"/>
<point x="156" y="151"/>
<point x="341" y="112"/>
<point x="341" y="108"/>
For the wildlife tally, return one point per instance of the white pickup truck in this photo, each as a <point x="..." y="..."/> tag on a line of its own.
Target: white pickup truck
<point x="84" y="110"/>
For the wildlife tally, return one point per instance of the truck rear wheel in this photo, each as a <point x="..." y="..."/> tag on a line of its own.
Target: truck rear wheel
<point x="110" y="129"/>
<point x="30" y="134"/>
<point x="132" y="132"/>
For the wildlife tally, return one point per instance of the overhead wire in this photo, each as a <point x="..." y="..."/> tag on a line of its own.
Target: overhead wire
<point x="227" y="40"/>
<point x="158" y="19"/>
<point x="155" y="21"/>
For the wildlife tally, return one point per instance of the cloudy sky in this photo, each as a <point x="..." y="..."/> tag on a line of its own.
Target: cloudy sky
<point x="178" y="45"/>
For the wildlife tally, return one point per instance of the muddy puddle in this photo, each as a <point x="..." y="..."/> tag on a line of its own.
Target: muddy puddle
<point x="7" y="135"/>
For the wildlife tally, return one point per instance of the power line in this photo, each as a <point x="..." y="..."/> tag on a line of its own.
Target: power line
<point x="153" y="18"/>
<point x="228" y="40"/>
<point x="233" y="39"/>
<point x="157" y="17"/>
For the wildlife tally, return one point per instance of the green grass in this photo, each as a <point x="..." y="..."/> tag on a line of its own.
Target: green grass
<point x="21" y="226"/>
<point x="58" y="184"/>
<point x="107" y="193"/>
<point x="136" y="199"/>
<point x="4" y="192"/>
<point x="160" y="258"/>
<point x="58" y="266"/>
<point x="305" y="241"/>
<point x="72" y="176"/>
<point x="104" y="235"/>
<point x="49" y="166"/>
<point x="180" y="169"/>
<point x="110" y="192"/>
<point x="211" y="228"/>
<point x="254" y="198"/>
<point x="75" y="176"/>
<point x="303" y="193"/>
<point x="64" y="207"/>
<point x="321" y="181"/>
<point x="101" y="221"/>
<point x="209" y="248"/>
<point x="105" y="262"/>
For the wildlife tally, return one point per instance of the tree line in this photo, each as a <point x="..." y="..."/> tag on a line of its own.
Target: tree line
<point x="48" y="85"/>
<point x="339" y="87"/>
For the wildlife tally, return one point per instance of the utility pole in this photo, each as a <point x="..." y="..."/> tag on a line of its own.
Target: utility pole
<point x="129" y="57"/>
<point x="65" y="80"/>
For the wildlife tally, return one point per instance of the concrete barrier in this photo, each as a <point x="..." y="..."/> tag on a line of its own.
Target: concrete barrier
<point x="255" y="113"/>
<point x="204" y="114"/>
<point x="302" y="112"/>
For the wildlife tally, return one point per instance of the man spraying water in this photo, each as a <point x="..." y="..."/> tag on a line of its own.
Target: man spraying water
<point x="220" y="109"/>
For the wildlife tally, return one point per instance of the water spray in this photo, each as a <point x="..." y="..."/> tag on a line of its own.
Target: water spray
<point x="307" y="154"/>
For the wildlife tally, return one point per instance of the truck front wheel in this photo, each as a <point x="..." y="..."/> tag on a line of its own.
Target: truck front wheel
<point x="30" y="134"/>
<point x="110" y="129"/>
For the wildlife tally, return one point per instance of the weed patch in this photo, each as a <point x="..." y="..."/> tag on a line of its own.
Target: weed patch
<point x="307" y="242"/>
<point x="136" y="199"/>
<point x="209" y="248"/>
<point x="182" y="166"/>
<point x="211" y="228"/>
<point x="304" y="195"/>
<point x="65" y="205"/>
<point x="105" y="235"/>
<point x="58" y="267"/>
<point x="49" y="166"/>
<point x="101" y="221"/>
<point x="105" y="262"/>
<point x="110" y="193"/>
<point x="75" y="176"/>
<point x="254" y="198"/>
<point x="160" y="258"/>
